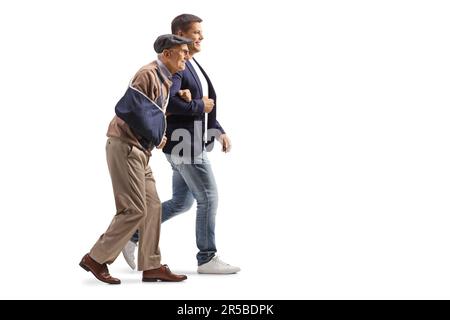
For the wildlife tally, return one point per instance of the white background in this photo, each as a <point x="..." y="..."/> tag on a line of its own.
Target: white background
<point x="338" y="183"/>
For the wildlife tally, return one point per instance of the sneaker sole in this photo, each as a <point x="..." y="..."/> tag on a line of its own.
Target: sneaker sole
<point x="205" y="272"/>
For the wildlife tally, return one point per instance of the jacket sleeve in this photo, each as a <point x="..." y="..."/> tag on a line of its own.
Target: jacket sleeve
<point x="146" y="83"/>
<point x="219" y="127"/>
<point x="179" y="106"/>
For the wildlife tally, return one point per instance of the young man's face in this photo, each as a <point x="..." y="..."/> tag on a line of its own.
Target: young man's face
<point x="177" y="57"/>
<point x="196" y="34"/>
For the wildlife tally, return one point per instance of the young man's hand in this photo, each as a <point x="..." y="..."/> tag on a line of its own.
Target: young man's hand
<point x="209" y="104"/>
<point x="226" y="143"/>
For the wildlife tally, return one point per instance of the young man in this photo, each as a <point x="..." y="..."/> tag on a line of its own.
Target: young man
<point x="193" y="177"/>
<point x="138" y="126"/>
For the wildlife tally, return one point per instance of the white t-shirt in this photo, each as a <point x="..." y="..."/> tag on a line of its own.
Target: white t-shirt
<point x="205" y="90"/>
<point x="202" y="78"/>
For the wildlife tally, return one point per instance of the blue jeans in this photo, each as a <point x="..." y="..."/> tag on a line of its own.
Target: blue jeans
<point x="194" y="181"/>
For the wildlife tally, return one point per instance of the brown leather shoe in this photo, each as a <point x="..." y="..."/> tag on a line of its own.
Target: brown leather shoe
<point x="162" y="273"/>
<point x="100" y="271"/>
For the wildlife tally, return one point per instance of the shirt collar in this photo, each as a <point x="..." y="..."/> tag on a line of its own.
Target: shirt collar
<point x="165" y="72"/>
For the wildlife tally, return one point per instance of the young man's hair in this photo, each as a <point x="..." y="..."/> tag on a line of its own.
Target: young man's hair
<point x="183" y="22"/>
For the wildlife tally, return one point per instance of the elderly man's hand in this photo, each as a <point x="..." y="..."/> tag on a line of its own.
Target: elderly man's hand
<point x="185" y="95"/>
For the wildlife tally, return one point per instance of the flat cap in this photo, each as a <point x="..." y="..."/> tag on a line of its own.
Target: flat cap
<point x="167" y="41"/>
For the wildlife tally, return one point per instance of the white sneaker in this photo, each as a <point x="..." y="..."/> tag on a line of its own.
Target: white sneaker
<point x="217" y="266"/>
<point x="128" y="254"/>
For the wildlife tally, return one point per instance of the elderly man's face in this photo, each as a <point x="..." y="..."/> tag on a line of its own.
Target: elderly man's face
<point x="195" y="33"/>
<point x="177" y="57"/>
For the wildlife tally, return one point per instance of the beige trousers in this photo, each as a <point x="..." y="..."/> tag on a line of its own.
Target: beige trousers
<point x="137" y="204"/>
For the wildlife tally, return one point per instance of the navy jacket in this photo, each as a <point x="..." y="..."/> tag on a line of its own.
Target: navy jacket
<point x="185" y="115"/>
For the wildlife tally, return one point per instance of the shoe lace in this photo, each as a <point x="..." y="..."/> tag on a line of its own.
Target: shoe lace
<point x="217" y="260"/>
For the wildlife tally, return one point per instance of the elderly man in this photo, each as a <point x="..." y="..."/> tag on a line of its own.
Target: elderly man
<point x="190" y="117"/>
<point x="139" y="125"/>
